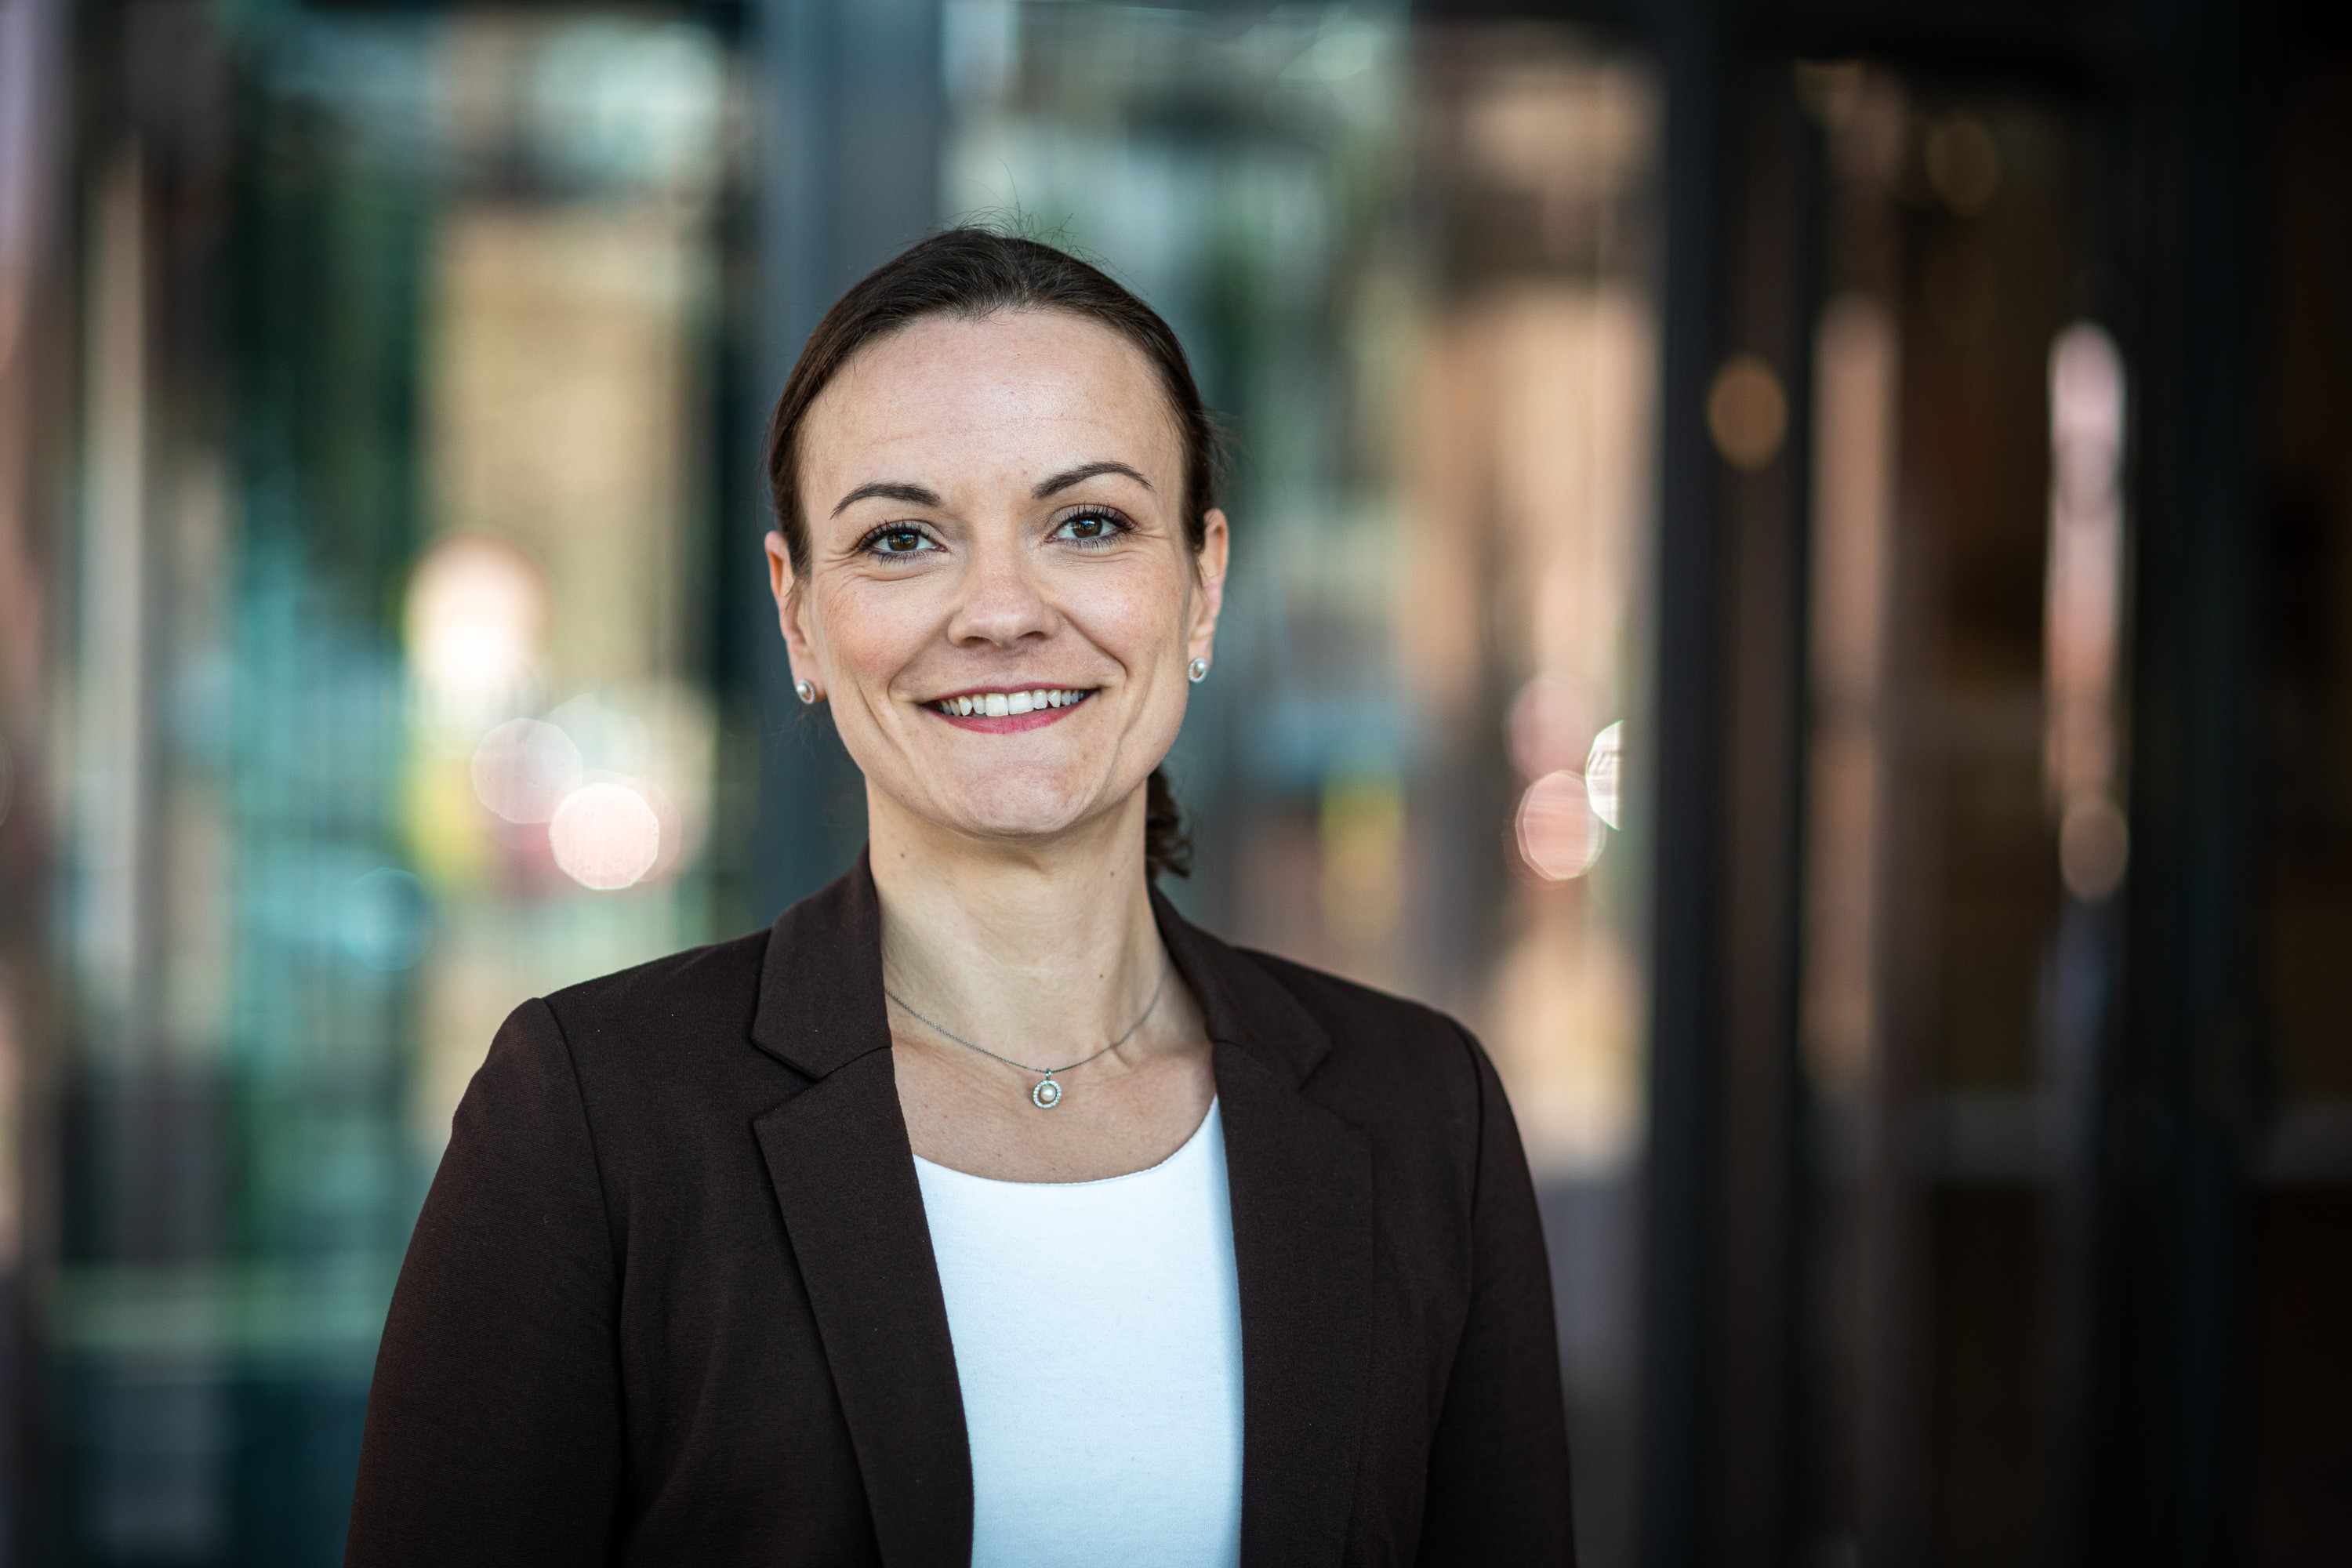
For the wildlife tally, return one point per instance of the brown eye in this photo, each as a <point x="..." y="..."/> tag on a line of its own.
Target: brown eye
<point x="1090" y="528"/>
<point x="899" y="542"/>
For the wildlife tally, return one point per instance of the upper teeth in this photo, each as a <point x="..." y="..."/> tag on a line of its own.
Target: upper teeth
<point x="1003" y="704"/>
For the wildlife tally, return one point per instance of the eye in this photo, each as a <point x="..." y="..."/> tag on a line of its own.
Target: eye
<point x="1096" y="526"/>
<point x="898" y="539"/>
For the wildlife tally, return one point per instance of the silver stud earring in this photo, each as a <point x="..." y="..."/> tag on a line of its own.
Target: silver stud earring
<point x="805" y="690"/>
<point x="1198" y="669"/>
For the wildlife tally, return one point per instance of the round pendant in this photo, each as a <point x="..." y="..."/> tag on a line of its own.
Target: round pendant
<point x="1047" y="1095"/>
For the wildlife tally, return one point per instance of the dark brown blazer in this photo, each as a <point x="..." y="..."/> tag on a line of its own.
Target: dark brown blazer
<point x="671" y="1298"/>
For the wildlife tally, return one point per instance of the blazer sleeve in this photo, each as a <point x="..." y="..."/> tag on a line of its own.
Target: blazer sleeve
<point x="1499" y="1485"/>
<point x="493" y="1430"/>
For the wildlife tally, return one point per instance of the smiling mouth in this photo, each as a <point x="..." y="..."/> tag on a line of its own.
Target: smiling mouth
<point x="1038" y="700"/>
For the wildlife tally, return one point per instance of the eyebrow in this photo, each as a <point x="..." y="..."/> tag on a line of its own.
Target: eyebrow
<point x="887" y="489"/>
<point x="1083" y="472"/>
<point x="918" y="495"/>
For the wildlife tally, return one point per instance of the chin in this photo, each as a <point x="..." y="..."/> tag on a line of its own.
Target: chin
<point x="1021" y="807"/>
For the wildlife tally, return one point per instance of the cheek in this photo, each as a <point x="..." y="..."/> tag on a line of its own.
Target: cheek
<point x="1137" y="614"/>
<point x="866" y="633"/>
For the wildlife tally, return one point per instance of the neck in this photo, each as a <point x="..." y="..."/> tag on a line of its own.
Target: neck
<point x="1044" y="947"/>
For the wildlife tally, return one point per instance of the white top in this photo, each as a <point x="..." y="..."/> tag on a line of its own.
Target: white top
<point x="1097" y="1334"/>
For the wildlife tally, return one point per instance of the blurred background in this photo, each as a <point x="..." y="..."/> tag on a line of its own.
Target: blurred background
<point x="1793" y="567"/>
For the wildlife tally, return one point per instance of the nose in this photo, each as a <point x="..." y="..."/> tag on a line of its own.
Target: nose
<point x="1001" y="605"/>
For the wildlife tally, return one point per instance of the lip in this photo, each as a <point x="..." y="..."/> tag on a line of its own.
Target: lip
<point x="1009" y="723"/>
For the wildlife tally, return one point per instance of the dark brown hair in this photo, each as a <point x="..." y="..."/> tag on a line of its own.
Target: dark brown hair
<point x="971" y="273"/>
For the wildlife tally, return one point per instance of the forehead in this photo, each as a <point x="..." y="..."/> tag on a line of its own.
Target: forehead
<point x="1012" y="395"/>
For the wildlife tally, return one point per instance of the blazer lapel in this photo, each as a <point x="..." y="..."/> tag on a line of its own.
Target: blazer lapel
<point x="1301" y="1184"/>
<point x="844" y="1174"/>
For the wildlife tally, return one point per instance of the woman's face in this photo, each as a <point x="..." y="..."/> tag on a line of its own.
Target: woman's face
<point x="999" y="601"/>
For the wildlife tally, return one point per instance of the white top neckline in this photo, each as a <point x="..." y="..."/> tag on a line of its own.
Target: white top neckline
<point x="1162" y="1163"/>
<point x="1097" y="1329"/>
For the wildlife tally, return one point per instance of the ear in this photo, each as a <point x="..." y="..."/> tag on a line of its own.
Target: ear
<point x="791" y="612"/>
<point x="1209" y="570"/>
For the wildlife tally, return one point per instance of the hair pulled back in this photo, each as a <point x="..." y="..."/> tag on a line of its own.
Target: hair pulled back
<point x="971" y="273"/>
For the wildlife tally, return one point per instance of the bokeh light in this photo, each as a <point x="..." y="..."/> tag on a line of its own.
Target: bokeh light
<point x="2094" y="847"/>
<point x="2083" y="589"/>
<point x="605" y="836"/>
<point x="523" y="768"/>
<point x="1747" y="412"/>
<point x="1559" y="838"/>
<point x="1602" y="767"/>
<point x="478" y="612"/>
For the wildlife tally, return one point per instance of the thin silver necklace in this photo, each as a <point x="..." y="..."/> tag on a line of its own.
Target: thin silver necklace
<point x="1047" y="1094"/>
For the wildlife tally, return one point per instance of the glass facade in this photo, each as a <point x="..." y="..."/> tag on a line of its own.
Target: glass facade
<point x="386" y="695"/>
<point x="1966" y="777"/>
<point x="1795" y="585"/>
<point x="402" y="600"/>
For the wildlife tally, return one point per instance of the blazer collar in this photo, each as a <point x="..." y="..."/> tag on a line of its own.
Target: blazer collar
<point x="839" y="1159"/>
<point x="1241" y="1002"/>
<point x="821" y="1004"/>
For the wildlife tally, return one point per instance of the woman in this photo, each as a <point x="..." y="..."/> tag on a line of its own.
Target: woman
<point x="980" y="1210"/>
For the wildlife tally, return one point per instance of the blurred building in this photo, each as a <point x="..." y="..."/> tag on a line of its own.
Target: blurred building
<point x="1793" y="567"/>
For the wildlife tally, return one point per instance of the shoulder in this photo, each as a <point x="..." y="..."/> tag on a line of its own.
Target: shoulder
<point x="1364" y="1014"/>
<point x="644" y="1061"/>
<point x="1382" y="1058"/>
<point x="700" y="986"/>
<point x="703" y="994"/>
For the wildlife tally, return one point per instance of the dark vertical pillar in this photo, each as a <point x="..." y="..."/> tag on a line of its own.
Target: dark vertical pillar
<point x="1769" y="297"/>
<point x="2173" y="1409"/>
<point x="1686" y="825"/>
<point x="852" y="111"/>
